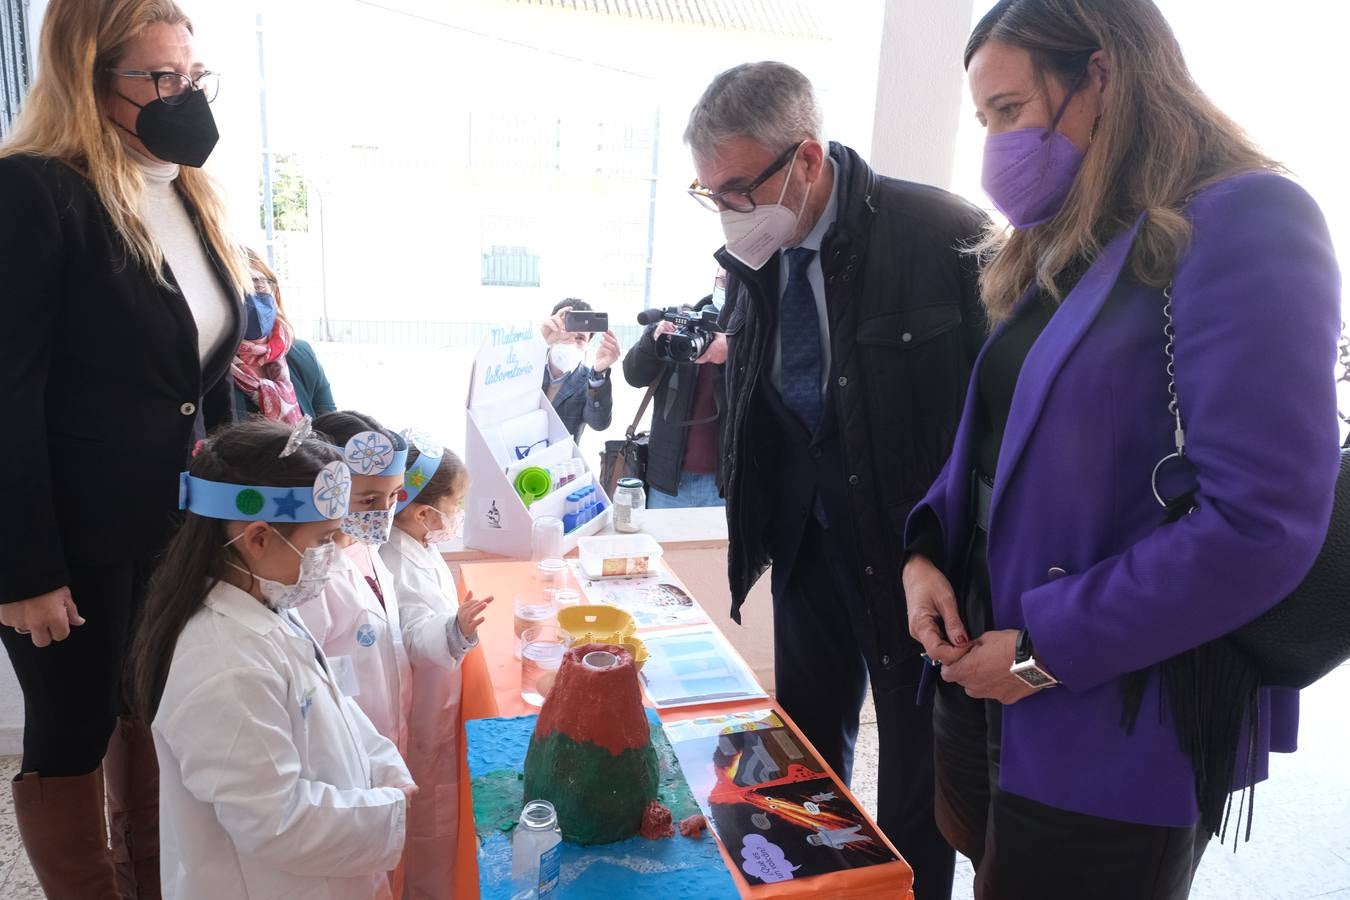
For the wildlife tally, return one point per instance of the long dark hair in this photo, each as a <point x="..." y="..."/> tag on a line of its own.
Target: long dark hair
<point x="1159" y="140"/>
<point x="195" y="560"/>
<point x="345" y="424"/>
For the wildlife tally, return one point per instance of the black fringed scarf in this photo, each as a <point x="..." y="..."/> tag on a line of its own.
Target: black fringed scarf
<point x="1211" y="692"/>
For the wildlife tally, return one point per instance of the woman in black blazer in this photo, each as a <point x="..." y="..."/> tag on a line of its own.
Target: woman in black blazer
<point x="122" y="307"/>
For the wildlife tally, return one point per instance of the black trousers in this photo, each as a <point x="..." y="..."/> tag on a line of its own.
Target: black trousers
<point x="72" y="689"/>
<point x="821" y="676"/>
<point x="1022" y="848"/>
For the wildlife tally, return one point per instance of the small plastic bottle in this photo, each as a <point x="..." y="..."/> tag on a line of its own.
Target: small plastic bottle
<point x="536" y="852"/>
<point x="572" y="512"/>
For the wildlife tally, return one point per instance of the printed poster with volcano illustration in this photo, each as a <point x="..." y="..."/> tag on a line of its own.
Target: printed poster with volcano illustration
<point x="769" y="800"/>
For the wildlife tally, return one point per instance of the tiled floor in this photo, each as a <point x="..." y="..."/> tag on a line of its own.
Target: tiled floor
<point x="1300" y="846"/>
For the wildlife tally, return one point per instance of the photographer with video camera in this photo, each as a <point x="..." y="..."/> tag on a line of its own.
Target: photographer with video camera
<point x="581" y="395"/>
<point x="686" y="364"/>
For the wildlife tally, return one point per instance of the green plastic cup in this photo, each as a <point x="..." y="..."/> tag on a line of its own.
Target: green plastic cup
<point x="533" y="484"/>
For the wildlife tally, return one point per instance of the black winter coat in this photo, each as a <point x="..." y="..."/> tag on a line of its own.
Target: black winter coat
<point x="672" y="406"/>
<point x="103" y="390"/>
<point x="905" y="327"/>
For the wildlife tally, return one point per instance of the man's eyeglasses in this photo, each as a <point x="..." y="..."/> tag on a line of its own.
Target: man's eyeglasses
<point x="174" y="87"/>
<point x="740" y="199"/>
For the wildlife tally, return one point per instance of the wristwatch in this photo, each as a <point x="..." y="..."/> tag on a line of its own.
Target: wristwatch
<point x="1025" y="667"/>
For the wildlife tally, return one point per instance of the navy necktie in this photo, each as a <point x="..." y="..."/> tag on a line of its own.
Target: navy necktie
<point x="799" y="340"/>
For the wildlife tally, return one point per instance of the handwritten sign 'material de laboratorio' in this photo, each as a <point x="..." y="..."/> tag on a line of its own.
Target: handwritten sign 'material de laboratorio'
<point x="510" y="362"/>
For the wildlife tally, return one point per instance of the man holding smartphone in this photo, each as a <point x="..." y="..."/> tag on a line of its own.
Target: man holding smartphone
<point x="582" y="395"/>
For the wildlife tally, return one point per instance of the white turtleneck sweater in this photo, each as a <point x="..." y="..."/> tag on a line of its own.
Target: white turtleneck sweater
<point x="167" y="218"/>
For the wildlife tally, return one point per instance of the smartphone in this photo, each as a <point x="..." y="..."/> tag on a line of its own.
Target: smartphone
<point x="585" y="321"/>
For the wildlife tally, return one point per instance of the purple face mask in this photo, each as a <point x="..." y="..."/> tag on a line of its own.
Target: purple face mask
<point x="1028" y="172"/>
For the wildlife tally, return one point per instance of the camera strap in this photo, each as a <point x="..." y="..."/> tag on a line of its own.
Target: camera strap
<point x="670" y="401"/>
<point x="646" y="401"/>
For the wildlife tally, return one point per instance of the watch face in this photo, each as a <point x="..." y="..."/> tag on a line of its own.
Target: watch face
<point x="1034" y="677"/>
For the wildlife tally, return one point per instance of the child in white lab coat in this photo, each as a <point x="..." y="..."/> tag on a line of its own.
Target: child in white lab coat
<point x="272" y="784"/>
<point x="356" y="620"/>
<point x="438" y="632"/>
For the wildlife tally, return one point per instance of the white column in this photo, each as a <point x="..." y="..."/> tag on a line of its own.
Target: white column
<point x="36" y="10"/>
<point x="919" y="83"/>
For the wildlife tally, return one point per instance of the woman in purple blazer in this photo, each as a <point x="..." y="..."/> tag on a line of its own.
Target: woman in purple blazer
<point x="1041" y="547"/>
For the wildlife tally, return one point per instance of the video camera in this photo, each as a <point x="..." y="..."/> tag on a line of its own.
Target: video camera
<point x="694" y="331"/>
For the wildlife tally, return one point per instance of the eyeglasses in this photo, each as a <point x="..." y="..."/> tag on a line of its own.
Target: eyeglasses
<point x="174" y="87"/>
<point x="523" y="450"/>
<point x="740" y="199"/>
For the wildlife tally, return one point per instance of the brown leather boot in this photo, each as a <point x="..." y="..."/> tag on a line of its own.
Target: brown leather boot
<point x="131" y="775"/>
<point x="64" y="832"/>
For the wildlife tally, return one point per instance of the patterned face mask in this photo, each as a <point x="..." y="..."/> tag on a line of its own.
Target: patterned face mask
<point x="369" y="527"/>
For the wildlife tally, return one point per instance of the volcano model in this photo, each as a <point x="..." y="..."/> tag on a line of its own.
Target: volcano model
<point x="591" y="754"/>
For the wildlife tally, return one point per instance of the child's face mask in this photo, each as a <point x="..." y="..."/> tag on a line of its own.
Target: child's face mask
<point x="316" y="565"/>
<point x="370" y="526"/>
<point x="450" y="526"/>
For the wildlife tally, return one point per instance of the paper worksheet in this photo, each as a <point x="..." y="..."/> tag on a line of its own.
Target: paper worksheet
<point x="689" y="666"/>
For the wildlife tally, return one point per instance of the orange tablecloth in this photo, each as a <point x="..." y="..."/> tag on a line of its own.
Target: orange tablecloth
<point x="492" y="688"/>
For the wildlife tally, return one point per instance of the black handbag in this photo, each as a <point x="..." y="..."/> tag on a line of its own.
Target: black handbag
<point x="628" y="458"/>
<point x="1307" y="634"/>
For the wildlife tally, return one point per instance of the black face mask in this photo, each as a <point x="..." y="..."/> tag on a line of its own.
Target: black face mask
<point x="184" y="134"/>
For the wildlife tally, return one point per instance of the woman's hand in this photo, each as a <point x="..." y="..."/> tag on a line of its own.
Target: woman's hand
<point x="983" y="671"/>
<point x="46" y="618"/>
<point x="470" y="616"/>
<point x="931" y="604"/>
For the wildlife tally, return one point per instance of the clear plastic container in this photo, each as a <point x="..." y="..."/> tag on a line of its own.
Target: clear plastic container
<point x="551" y="573"/>
<point x="616" y="556"/>
<point x="533" y="609"/>
<point x="546" y="538"/>
<point x="564" y="598"/>
<point x="536" y="852"/>
<point x="541" y="655"/>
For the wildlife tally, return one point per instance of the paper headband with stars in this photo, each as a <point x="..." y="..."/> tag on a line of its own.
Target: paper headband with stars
<point x="419" y="474"/>
<point x="325" y="501"/>
<point x="375" y="453"/>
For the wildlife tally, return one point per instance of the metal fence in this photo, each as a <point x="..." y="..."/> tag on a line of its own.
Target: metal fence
<point x="13" y="62"/>
<point x="423" y="333"/>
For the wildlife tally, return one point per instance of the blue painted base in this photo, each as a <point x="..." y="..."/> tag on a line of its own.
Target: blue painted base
<point x="673" y="867"/>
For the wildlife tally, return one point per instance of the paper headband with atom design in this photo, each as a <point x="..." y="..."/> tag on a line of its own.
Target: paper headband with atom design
<point x="419" y="474"/>
<point x="374" y="453"/>
<point x="325" y="501"/>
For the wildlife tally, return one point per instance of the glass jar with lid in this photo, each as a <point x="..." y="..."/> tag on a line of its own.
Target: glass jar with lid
<point x="630" y="505"/>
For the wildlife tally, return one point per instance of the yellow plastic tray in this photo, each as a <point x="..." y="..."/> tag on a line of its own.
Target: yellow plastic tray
<point x="601" y="624"/>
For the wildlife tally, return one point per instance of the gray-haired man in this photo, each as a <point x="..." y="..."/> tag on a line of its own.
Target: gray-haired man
<point x="853" y="321"/>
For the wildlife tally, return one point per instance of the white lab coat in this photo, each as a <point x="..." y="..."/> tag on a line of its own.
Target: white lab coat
<point x="271" y="784"/>
<point x="428" y="604"/>
<point x="363" y="641"/>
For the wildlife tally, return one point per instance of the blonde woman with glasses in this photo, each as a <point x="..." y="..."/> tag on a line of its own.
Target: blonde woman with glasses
<point x="122" y="306"/>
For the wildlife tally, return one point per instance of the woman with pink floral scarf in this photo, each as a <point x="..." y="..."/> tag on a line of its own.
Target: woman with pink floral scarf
<point x="276" y="375"/>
